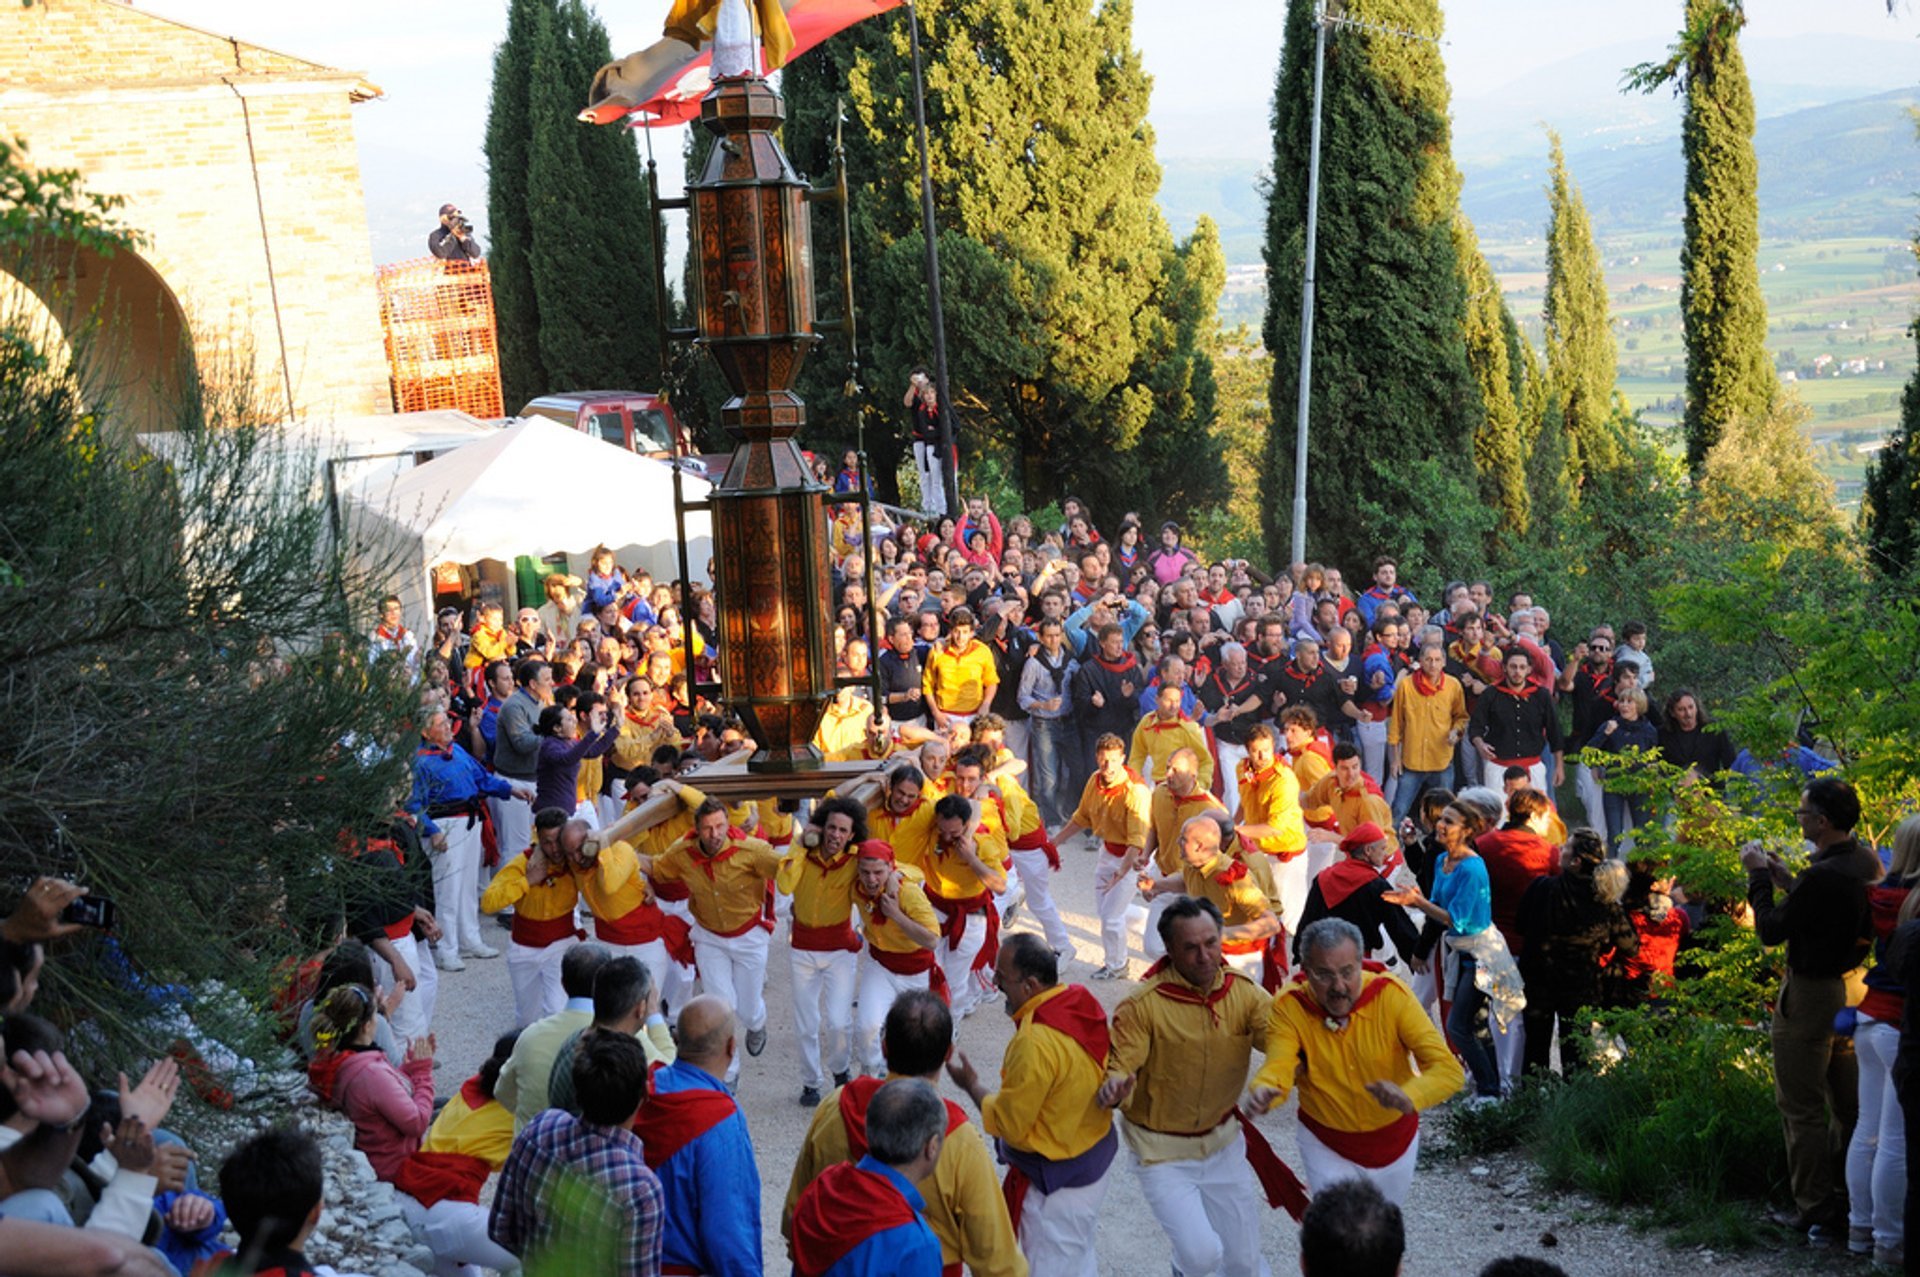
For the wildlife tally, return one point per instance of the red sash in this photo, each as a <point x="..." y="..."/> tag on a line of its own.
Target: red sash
<point x="641" y="925"/>
<point x="538" y="933"/>
<point x="955" y="912"/>
<point x="839" y="1211"/>
<point x="1371" y="1149"/>
<point x="1037" y="840"/>
<point x="914" y="962"/>
<point x="672" y="889"/>
<point x="400" y="927"/>
<point x="430" y="1178"/>
<point x="1079" y="1015"/>
<point x="668" y="1123"/>
<point x="837" y="938"/>
<point x="854" y="1098"/>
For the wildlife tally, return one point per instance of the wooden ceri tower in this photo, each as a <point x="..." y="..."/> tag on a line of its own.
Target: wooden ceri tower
<point x="754" y="313"/>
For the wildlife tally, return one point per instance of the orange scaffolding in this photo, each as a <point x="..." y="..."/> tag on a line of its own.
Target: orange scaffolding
<point x="438" y="318"/>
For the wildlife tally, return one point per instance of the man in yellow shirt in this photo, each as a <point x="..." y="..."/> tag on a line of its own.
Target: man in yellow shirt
<point x="964" y="1205"/>
<point x="1428" y="719"/>
<point x="1367" y="1059"/>
<point x="902" y="933"/>
<point x="1207" y="872"/>
<point x="1162" y="732"/>
<point x="960" y="674"/>
<point x="1179" y="797"/>
<point x="1349" y="796"/>
<point x="728" y="874"/>
<point x="1055" y="1136"/>
<point x="1270" y="818"/>
<point x="965" y="868"/>
<point x="538" y="885"/>
<point x="823" y="951"/>
<point x="1181" y="1047"/>
<point x="627" y="916"/>
<point x="1030" y="848"/>
<point x="1113" y="807"/>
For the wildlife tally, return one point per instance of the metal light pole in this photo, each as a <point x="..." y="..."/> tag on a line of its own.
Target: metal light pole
<point x="1327" y="15"/>
<point x="1299" y="554"/>
<point x="948" y="457"/>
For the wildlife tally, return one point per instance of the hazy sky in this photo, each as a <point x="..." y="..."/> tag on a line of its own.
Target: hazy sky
<point x="1213" y="65"/>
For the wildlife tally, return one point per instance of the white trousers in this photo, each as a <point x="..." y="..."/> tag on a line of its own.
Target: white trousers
<point x="536" y="979"/>
<point x="512" y="829"/>
<point x="456" y="886"/>
<point x="1210" y="1209"/>
<point x="830" y="976"/>
<point x="1291" y="882"/>
<point x="1036" y="888"/>
<point x="1536" y="776"/>
<point x="1587" y="785"/>
<point x="878" y="988"/>
<point x="734" y="969"/>
<point x="1150" y="942"/>
<point x="963" y="986"/>
<point x="456" y="1233"/>
<point x="680" y="977"/>
<point x="1114" y="892"/>
<point x="1251" y="965"/>
<point x="1371" y="737"/>
<point x="413" y="1017"/>
<point x="1231" y="756"/>
<point x="1877" y="1154"/>
<point x="1321" y="1166"/>
<point x="1057" y="1230"/>
<point x="933" y="488"/>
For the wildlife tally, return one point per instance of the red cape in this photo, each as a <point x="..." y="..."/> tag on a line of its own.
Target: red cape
<point x="840" y="1210"/>
<point x="668" y="1123"/>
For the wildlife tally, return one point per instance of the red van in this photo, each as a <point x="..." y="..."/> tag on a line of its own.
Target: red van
<point x="630" y="419"/>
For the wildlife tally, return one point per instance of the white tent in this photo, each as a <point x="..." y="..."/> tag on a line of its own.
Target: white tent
<point x="534" y="488"/>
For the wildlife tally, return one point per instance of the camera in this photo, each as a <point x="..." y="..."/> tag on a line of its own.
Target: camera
<point x="460" y="224"/>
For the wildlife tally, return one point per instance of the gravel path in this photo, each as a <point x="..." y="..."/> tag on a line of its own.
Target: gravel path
<point x="1460" y="1213"/>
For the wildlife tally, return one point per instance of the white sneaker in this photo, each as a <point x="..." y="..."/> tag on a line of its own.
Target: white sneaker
<point x="480" y="951"/>
<point x="449" y="962"/>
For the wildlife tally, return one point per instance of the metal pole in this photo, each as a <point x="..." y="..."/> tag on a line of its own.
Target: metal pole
<point x="951" y="484"/>
<point x="1306" y="294"/>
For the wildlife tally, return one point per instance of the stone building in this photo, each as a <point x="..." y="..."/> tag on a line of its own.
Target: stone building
<point x="239" y="171"/>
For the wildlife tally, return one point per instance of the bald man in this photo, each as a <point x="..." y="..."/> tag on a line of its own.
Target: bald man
<point x="696" y="1141"/>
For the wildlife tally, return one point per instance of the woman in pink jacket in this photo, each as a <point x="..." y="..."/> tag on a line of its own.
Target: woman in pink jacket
<point x="391" y="1108"/>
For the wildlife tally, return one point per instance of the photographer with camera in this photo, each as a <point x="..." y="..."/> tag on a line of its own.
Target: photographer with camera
<point x="452" y="240"/>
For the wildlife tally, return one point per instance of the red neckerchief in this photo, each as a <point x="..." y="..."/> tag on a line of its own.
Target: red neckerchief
<point x="1197" y="796"/>
<point x="842" y="1209"/>
<point x="1078" y="1014"/>
<point x="854" y="1098"/>
<point x="1180" y="992"/>
<point x="391" y="636"/>
<point x="1420" y="684"/>
<point x="698" y="853"/>
<point x="1594" y="682"/>
<point x="668" y="1123"/>
<point x="1125" y="666"/>
<point x="1519" y="693"/>
<point x="1234" y="872"/>
<point x="493" y="634"/>
<point x="1260" y="777"/>
<point x="1229" y="693"/>
<point x="1114" y="791"/>
<point x="1159" y="724"/>
<point x="1298" y="675"/>
<point x="434" y="751"/>
<point x="1344" y="877"/>
<point x="1297" y="988"/>
<point x="649" y="720"/>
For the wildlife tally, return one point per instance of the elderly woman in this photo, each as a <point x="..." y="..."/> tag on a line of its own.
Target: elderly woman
<point x="1571" y="921"/>
<point x="1480" y="973"/>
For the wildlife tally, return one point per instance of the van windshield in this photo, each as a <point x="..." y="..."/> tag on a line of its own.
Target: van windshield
<point x="607" y="426"/>
<point x="650" y="432"/>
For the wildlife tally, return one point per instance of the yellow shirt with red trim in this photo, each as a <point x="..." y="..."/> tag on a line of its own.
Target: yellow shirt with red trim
<point x="1420" y="721"/>
<point x="1231" y="886"/>
<point x="1169" y="815"/>
<point x="485" y="1132"/>
<point x="776" y="827"/>
<point x="1349" y="808"/>
<point x="1384" y="1041"/>
<point x="1272" y="798"/>
<point x="725" y="892"/>
<point x="640" y="736"/>
<point x="591" y="779"/>
<point x="1022" y="814"/>
<point x="615" y="887"/>
<point x="965" y="1207"/>
<point x="822" y="890"/>
<point x="951" y="877"/>
<point x="541" y="902"/>
<point x="1189" y="1063"/>
<point x="842" y="727"/>
<point x="1155" y="739"/>
<point x="1308" y="767"/>
<point x="881" y="931"/>
<point x="657" y="838"/>
<point x="486" y="646"/>
<point x="1046" y="1103"/>
<point x="960" y="682"/>
<point x="908" y="833"/>
<point x="1116" y="814"/>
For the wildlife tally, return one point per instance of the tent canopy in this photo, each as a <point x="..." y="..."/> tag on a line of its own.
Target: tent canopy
<point x="534" y="488"/>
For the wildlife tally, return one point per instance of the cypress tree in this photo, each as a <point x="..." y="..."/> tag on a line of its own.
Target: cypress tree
<point x="1179" y="468"/>
<point x="592" y="272"/>
<point x="1581" y="357"/>
<point x="1723" y="315"/>
<point x="1395" y="405"/>
<point x="1498" y="456"/>
<point x="509" y="231"/>
<point x="1891" y="508"/>
<point x="1055" y="258"/>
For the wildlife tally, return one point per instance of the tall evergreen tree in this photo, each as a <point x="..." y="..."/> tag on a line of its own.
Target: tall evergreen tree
<point x="1395" y="405"/>
<point x="1581" y="357"/>
<point x="1891" y="508"/>
<point x="573" y="276"/>
<point x="516" y="313"/>
<point x="1498" y="454"/>
<point x="1055" y="258"/>
<point x="1723" y="315"/>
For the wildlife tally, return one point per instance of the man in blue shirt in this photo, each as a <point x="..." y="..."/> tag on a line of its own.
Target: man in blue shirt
<point x="448" y="787"/>
<point x="866" y="1219"/>
<point x="696" y="1141"/>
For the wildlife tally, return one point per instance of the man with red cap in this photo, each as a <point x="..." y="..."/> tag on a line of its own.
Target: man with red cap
<point x="1358" y="887"/>
<point x="1056" y="1138"/>
<point x="1350" y="1036"/>
<point x="902" y="931"/>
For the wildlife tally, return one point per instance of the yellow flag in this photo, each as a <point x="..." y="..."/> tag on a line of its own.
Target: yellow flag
<point x="691" y="22"/>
